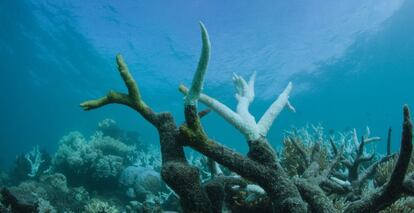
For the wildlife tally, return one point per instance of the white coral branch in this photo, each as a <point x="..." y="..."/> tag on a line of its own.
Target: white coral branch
<point x="36" y="155"/>
<point x="341" y="182"/>
<point x="255" y="189"/>
<point x="242" y="119"/>
<point x="274" y="110"/>
<point x="367" y="137"/>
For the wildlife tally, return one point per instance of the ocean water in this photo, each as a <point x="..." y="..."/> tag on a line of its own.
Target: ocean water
<point x="351" y="64"/>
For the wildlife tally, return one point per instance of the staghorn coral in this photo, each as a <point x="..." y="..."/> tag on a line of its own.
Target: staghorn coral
<point x="176" y="172"/>
<point x="30" y="165"/>
<point x="35" y="160"/>
<point x="303" y="193"/>
<point x="290" y="158"/>
<point x="298" y="143"/>
<point x="242" y="119"/>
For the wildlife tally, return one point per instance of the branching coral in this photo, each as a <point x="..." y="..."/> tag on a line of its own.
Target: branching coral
<point x="304" y="193"/>
<point x="395" y="187"/>
<point x="176" y="172"/>
<point x="242" y="119"/>
<point x="301" y="147"/>
<point x="151" y="158"/>
<point x="35" y="159"/>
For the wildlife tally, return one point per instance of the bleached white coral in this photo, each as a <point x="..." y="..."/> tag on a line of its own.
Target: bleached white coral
<point x="367" y="137"/>
<point x="35" y="160"/>
<point x="242" y="119"/>
<point x="107" y="123"/>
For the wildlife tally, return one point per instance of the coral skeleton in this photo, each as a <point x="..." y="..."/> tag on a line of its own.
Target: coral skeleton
<point x="35" y="159"/>
<point x="329" y="174"/>
<point x="367" y="137"/>
<point x="242" y="119"/>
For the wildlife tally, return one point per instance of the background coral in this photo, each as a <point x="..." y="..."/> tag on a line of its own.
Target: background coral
<point x="99" y="206"/>
<point x="304" y="140"/>
<point x="22" y="168"/>
<point x="95" y="163"/>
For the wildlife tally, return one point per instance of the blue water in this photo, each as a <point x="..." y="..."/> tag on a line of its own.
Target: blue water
<point x="351" y="63"/>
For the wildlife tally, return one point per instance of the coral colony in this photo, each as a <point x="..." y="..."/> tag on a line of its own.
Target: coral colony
<point x="112" y="171"/>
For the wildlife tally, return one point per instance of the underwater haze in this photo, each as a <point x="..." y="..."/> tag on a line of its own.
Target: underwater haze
<point x="350" y="62"/>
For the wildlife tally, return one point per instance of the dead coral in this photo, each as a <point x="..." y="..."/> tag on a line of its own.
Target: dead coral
<point x="306" y="192"/>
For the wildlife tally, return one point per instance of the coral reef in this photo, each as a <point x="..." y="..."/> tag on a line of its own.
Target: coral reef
<point x="176" y="172"/>
<point x="403" y="205"/>
<point x="98" y="206"/>
<point x="109" y="127"/>
<point x="4" y="179"/>
<point x="141" y="181"/>
<point x="97" y="162"/>
<point x="35" y="160"/>
<point x="88" y="175"/>
<point x="113" y="171"/>
<point x="48" y="194"/>
<point x="317" y="177"/>
<point x="30" y="165"/>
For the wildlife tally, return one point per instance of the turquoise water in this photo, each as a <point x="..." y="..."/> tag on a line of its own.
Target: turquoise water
<point x="351" y="63"/>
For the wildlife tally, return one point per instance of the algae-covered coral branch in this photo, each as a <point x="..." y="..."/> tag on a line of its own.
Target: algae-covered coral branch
<point x="132" y="99"/>
<point x="176" y="172"/>
<point x="317" y="188"/>
<point x="260" y="166"/>
<point x="393" y="190"/>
